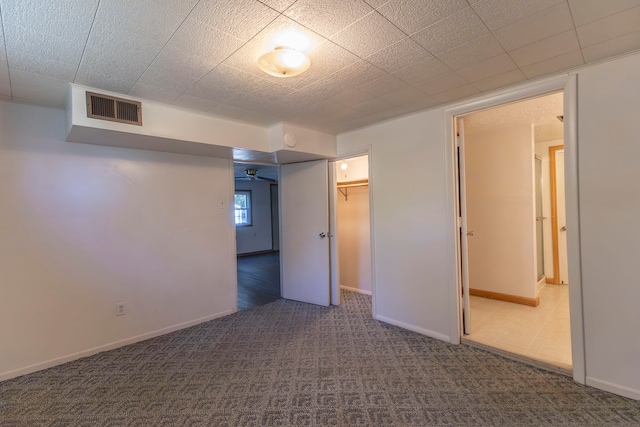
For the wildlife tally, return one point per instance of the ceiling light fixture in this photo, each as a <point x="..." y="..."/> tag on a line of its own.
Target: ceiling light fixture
<point x="284" y="61"/>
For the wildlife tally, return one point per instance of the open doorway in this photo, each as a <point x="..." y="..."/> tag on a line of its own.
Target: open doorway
<point x="506" y="176"/>
<point x="257" y="234"/>
<point x="351" y="212"/>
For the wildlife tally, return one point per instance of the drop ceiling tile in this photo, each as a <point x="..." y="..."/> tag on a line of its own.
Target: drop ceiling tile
<point x="501" y="80"/>
<point x="347" y="114"/>
<point x="328" y="17"/>
<point x="456" y="94"/>
<point x="3" y="52"/>
<point x="626" y="43"/>
<point x="162" y="77"/>
<point x="608" y="28"/>
<point x="352" y="97"/>
<point x="412" y="16"/>
<point x="99" y="69"/>
<point x="182" y="7"/>
<point x="422" y="71"/>
<point x="204" y="41"/>
<point x="224" y="84"/>
<point x="420" y="104"/>
<point x="549" y="22"/>
<point x="403" y="96"/>
<point x="399" y="55"/>
<point x="549" y="66"/>
<point x="227" y="110"/>
<point x="374" y="106"/>
<point x="487" y="68"/>
<point x="5" y="87"/>
<point x="44" y="46"/>
<point x="499" y="13"/>
<point x="545" y="49"/>
<point x="585" y="11"/>
<point x="43" y="65"/>
<point x="475" y="51"/>
<point x="240" y="18"/>
<point x="50" y="18"/>
<point x="37" y="89"/>
<point x="324" y="108"/>
<point x="368" y="35"/>
<point x="146" y="17"/>
<point x="357" y="74"/>
<point x="383" y="86"/>
<point x="321" y="90"/>
<point x="182" y="62"/>
<point x="454" y="30"/>
<point x="279" y="5"/>
<point x="162" y="94"/>
<point x="46" y="29"/>
<point x="376" y="3"/>
<point x="194" y="103"/>
<point x="441" y="83"/>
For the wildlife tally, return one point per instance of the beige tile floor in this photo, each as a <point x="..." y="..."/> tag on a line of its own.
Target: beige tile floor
<point x="541" y="333"/>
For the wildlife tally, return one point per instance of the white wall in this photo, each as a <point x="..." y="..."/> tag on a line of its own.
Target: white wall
<point x="256" y="237"/>
<point x="354" y="239"/>
<point x="608" y="153"/>
<point x="83" y="227"/>
<point x="412" y="243"/>
<point x="414" y="247"/>
<point x="500" y="211"/>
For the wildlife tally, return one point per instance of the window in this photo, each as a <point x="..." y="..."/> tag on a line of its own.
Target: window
<point x="243" y="207"/>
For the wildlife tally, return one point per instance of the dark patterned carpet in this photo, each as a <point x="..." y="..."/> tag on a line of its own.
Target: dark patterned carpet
<point x="294" y="364"/>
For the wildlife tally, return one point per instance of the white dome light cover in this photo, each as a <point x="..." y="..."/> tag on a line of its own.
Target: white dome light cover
<point x="284" y="62"/>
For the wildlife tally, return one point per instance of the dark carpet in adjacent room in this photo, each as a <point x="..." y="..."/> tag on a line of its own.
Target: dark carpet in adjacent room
<point x="294" y="364"/>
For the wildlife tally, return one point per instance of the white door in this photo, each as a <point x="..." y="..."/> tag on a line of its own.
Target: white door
<point x="304" y="230"/>
<point x="464" y="232"/>
<point x="562" y="218"/>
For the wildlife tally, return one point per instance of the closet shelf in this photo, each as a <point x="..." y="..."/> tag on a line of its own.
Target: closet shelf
<point x="348" y="184"/>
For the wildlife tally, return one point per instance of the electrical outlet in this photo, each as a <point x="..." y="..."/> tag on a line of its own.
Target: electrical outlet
<point x="121" y="309"/>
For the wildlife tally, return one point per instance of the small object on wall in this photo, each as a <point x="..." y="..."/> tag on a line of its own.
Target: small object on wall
<point x="290" y="140"/>
<point x="121" y="309"/>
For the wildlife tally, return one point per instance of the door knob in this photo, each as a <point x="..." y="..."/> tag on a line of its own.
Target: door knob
<point x="564" y="228"/>
<point x="322" y="235"/>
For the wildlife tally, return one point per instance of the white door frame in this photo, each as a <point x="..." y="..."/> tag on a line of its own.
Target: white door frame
<point x="567" y="84"/>
<point x="335" y="267"/>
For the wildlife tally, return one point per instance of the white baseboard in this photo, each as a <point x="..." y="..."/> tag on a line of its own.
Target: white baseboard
<point x="413" y="328"/>
<point x="110" y="346"/>
<point x="360" y="291"/>
<point x="613" y="388"/>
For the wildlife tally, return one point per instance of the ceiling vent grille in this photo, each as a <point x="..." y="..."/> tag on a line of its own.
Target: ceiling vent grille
<point x="104" y="107"/>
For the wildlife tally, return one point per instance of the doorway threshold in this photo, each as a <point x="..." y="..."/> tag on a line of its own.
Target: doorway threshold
<point x="557" y="368"/>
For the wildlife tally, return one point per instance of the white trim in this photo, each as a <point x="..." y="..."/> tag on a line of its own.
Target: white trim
<point x="613" y="388"/>
<point x="110" y="346"/>
<point x="413" y="328"/>
<point x="572" y="211"/>
<point x="356" y="290"/>
<point x="568" y="84"/>
<point x="233" y="247"/>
